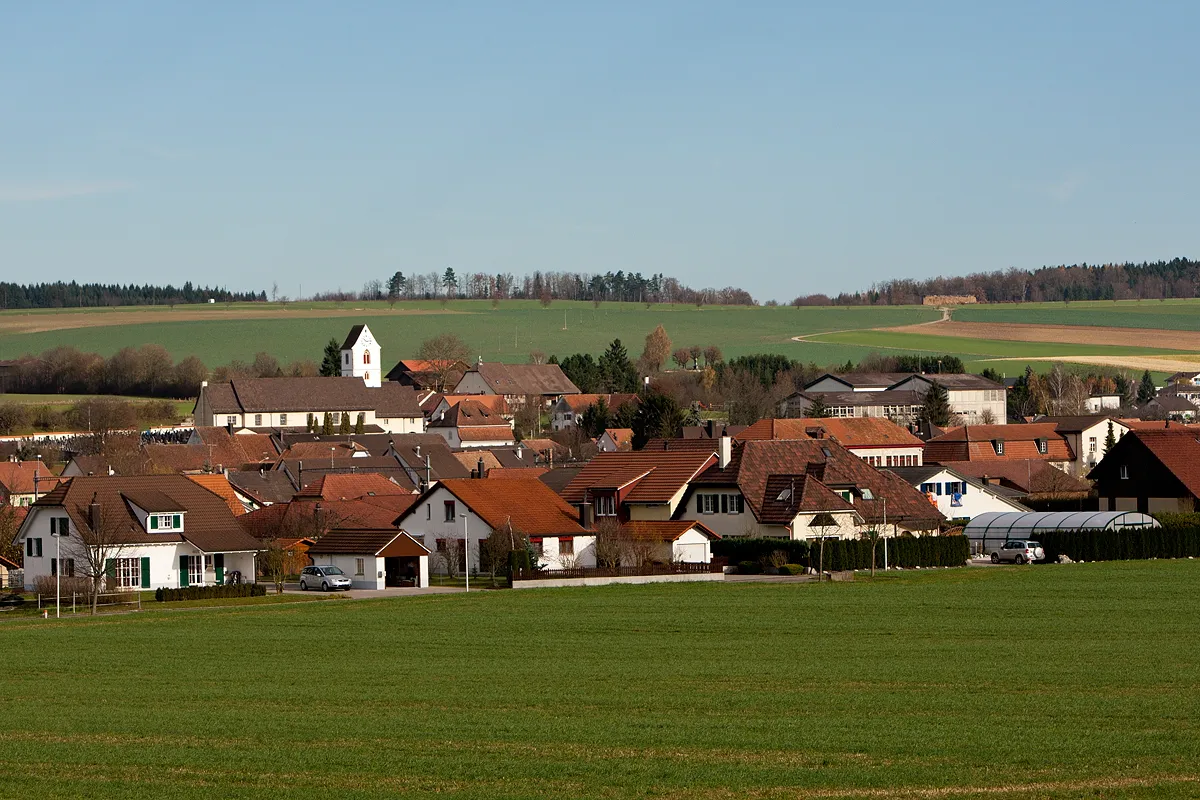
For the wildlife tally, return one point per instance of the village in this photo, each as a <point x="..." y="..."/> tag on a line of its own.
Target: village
<point x="415" y="478"/>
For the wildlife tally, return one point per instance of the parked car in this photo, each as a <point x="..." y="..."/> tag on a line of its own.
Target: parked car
<point x="327" y="576"/>
<point x="1019" y="551"/>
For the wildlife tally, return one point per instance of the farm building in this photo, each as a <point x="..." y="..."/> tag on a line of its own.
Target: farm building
<point x="989" y="531"/>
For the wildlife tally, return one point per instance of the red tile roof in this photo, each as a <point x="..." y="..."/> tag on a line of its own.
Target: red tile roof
<point x="17" y="477"/>
<point x="220" y="486"/>
<point x="1032" y="476"/>
<point x="849" y="432"/>
<point x="975" y="443"/>
<point x="580" y="403"/>
<point x="368" y="541"/>
<point x="622" y="437"/>
<point x="485" y="433"/>
<point x="525" y="379"/>
<point x="351" y="486"/>
<point x="659" y="474"/>
<point x="1177" y="449"/>
<point x="785" y="496"/>
<point x="665" y="530"/>
<point x="529" y="505"/>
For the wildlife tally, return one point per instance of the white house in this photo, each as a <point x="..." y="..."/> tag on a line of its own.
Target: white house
<point x="899" y="395"/>
<point x="516" y="382"/>
<point x="472" y="424"/>
<point x="956" y="495"/>
<point x="360" y="356"/>
<point x="466" y="511"/>
<point x="1086" y="436"/>
<point x="614" y="440"/>
<point x="876" y="440"/>
<point x="374" y="558"/>
<point x="678" y="541"/>
<point x="148" y="531"/>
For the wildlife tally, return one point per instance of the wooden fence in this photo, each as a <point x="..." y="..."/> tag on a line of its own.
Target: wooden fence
<point x="615" y="572"/>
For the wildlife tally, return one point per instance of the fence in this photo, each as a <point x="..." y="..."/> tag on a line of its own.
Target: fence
<point x="13" y="579"/>
<point x="522" y="574"/>
<point x="77" y="603"/>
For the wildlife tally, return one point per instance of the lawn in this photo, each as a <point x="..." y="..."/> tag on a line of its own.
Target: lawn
<point x="1052" y="681"/>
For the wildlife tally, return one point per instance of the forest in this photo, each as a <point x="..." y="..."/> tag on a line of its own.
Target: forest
<point x="85" y="295"/>
<point x="1179" y="277"/>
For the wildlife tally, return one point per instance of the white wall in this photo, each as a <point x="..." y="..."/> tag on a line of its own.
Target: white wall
<point x="692" y="547"/>
<point x="878" y="456"/>
<point x="425" y="523"/>
<point x="975" y="500"/>
<point x="373" y="576"/>
<point x="723" y="525"/>
<point x="585" y="552"/>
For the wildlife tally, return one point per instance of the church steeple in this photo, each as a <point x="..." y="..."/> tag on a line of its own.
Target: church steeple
<point x="360" y="356"/>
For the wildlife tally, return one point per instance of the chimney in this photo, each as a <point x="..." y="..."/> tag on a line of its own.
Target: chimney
<point x="724" y="451"/>
<point x="94" y="514"/>
<point x="480" y="473"/>
<point x="587" y="516"/>
<point x="520" y="452"/>
<point x="417" y="451"/>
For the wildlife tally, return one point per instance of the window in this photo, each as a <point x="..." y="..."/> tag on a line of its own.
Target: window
<point x="359" y="566"/>
<point x="195" y="570"/>
<point x="33" y="548"/>
<point x="166" y="522"/>
<point x="346" y="358"/>
<point x="1124" y="476"/>
<point x="231" y="421"/>
<point x="337" y="418"/>
<point x="127" y="573"/>
<point x="60" y="526"/>
<point x="428" y="511"/>
<point x="258" y="420"/>
<point x="566" y="546"/>
<point x="449" y="508"/>
<point x="706" y="503"/>
<point x="1091" y="444"/>
<point x="731" y="504"/>
<point x="606" y="506"/>
<point x="283" y="419"/>
<point x="998" y="446"/>
<point x="926" y="488"/>
<point x="68" y="567"/>
<point x="1043" y="446"/>
<point x="366" y="356"/>
<point x="847" y="495"/>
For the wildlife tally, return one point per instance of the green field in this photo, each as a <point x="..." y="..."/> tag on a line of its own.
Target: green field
<point x="1171" y="315"/>
<point x="1054" y="681"/>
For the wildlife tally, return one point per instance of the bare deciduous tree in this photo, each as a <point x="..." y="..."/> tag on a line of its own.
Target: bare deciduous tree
<point x="444" y="352"/>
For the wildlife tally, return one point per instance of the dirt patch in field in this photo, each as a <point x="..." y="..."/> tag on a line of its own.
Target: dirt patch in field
<point x="69" y="320"/>
<point x="1136" y="363"/>
<point x="1061" y="334"/>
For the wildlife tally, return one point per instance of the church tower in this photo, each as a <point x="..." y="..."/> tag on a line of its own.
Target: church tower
<point x="360" y="356"/>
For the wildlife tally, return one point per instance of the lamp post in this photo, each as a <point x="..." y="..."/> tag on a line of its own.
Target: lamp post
<point x="57" y="574"/>
<point x="466" y="552"/>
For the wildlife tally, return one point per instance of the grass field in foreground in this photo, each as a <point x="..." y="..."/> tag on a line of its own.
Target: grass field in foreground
<point x="1051" y="681"/>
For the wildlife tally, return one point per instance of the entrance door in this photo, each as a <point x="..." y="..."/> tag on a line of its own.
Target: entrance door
<point x="219" y="567"/>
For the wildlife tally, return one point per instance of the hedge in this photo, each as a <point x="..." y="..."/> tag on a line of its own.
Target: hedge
<point x="843" y="554"/>
<point x="1165" y="542"/>
<point x="210" y="592"/>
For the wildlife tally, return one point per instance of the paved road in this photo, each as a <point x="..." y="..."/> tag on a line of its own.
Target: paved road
<point x="359" y="594"/>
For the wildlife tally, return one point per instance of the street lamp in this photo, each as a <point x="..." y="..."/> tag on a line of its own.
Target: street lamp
<point x="58" y="568"/>
<point x="466" y="552"/>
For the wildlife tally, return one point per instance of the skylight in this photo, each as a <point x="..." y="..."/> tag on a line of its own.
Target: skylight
<point x="784" y="496"/>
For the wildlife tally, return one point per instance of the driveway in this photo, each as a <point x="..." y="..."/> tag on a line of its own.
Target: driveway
<point x="366" y="594"/>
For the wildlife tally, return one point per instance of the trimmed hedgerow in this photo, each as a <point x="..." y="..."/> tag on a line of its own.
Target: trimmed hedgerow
<point x="211" y="592"/>
<point x="846" y="554"/>
<point x="1168" y="541"/>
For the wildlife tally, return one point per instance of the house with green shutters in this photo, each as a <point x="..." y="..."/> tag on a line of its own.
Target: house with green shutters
<point x="143" y="532"/>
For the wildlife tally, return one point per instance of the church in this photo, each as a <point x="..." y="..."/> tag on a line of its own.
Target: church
<point x="359" y="392"/>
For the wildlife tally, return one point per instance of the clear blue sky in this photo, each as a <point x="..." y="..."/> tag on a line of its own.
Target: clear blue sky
<point x="779" y="146"/>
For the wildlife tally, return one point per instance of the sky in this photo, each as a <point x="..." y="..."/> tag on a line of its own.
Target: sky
<point x="784" y="147"/>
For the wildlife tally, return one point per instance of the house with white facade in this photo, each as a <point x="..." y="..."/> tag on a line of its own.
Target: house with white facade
<point x="956" y="495"/>
<point x="899" y="395"/>
<point x="23" y="482"/>
<point x="374" y="558"/>
<point x="640" y="485"/>
<point x="615" y="439"/>
<point x="516" y="382"/>
<point x="1085" y="436"/>
<point x="465" y="512"/>
<point x="150" y="531"/>
<point x="469" y="424"/>
<point x="678" y="541"/>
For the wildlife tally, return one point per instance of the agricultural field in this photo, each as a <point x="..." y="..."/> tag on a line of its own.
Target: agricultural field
<point x="1161" y="336"/>
<point x="913" y="685"/>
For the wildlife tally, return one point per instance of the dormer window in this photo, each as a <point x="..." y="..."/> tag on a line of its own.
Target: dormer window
<point x="998" y="446"/>
<point x="158" y="523"/>
<point x="847" y="495"/>
<point x="1043" y="446"/>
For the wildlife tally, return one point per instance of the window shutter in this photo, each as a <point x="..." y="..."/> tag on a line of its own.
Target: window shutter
<point x="183" y="572"/>
<point x="53" y="567"/>
<point x="145" y="572"/>
<point x="53" y="525"/>
<point x="39" y="547"/>
<point x="29" y="548"/>
<point x="699" y="504"/>
<point x="153" y="522"/>
<point x="110" y="569"/>
<point x="178" y="521"/>
<point x="724" y="504"/>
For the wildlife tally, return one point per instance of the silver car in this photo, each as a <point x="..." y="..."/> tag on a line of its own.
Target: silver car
<point x="327" y="576"/>
<point x="1019" y="551"/>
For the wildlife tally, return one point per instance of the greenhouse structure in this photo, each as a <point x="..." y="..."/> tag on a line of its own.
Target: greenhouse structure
<point x="989" y="531"/>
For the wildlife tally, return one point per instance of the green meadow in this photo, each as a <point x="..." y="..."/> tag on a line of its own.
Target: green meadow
<point x="1050" y="681"/>
<point x="1172" y="315"/>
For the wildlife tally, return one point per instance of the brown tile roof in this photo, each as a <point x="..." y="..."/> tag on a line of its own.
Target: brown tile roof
<point x="495" y="403"/>
<point x="754" y="463"/>
<point x="1031" y="476"/>
<point x="974" y="443"/>
<point x="847" y="431"/>
<point x="516" y="473"/>
<point x="413" y="448"/>
<point x="250" y="395"/>
<point x="882" y="379"/>
<point x="263" y="486"/>
<point x="531" y="506"/>
<point x="469" y="412"/>
<point x="525" y="379"/>
<point x="389" y="467"/>
<point x="785" y="496"/>
<point x="1076" y="424"/>
<point x="580" y="403"/>
<point x="1177" y="449"/>
<point x="350" y="486"/>
<point x="1154" y="424"/>
<point x="665" y="530"/>
<point x="301" y="517"/>
<point x="17" y="477"/>
<point x="659" y="474"/>
<point x="368" y="541"/>
<point x="219" y="485"/>
<point x="558" y="478"/>
<point x="681" y="445"/>
<point x="622" y="437"/>
<point x="342" y="449"/>
<point x="208" y="523"/>
<point x="485" y="433"/>
<point x="471" y="458"/>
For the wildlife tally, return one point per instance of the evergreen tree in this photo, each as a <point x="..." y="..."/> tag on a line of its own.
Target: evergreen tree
<point x="1110" y="439"/>
<point x="331" y="364"/>
<point x="360" y="424"/>
<point x="1124" y="389"/>
<point x="344" y="425"/>
<point x="624" y="416"/>
<point x="936" y="408"/>
<point x="583" y="371"/>
<point x="616" y="370"/>
<point x="817" y="408"/>
<point x="312" y="423"/>
<point x="1146" y="389"/>
<point x="658" y="417"/>
<point x="327" y="424"/>
<point x="395" y="286"/>
<point x="450" y="281"/>
<point x="596" y="418"/>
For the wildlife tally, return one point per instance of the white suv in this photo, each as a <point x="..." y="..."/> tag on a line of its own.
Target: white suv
<point x="1019" y="551"/>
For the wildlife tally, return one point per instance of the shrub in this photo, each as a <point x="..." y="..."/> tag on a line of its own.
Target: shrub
<point x="738" y="549"/>
<point x="210" y="592"/>
<point x="844" y="554"/>
<point x="791" y="569"/>
<point x="749" y="567"/>
<point x="1176" y="539"/>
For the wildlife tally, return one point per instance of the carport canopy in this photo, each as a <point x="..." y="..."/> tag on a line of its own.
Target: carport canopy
<point x="1026" y="524"/>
